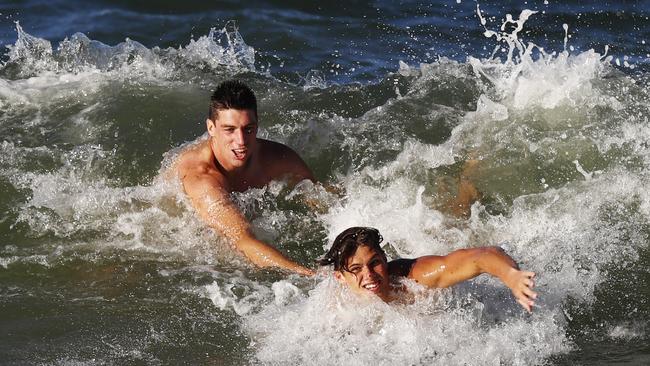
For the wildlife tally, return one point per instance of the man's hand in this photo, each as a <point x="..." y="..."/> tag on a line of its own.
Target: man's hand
<point x="521" y="284"/>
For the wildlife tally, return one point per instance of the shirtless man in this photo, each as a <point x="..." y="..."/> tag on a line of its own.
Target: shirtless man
<point x="361" y="264"/>
<point x="232" y="158"/>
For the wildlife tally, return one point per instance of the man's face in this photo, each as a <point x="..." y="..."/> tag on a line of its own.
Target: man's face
<point x="235" y="137"/>
<point x="368" y="273"/>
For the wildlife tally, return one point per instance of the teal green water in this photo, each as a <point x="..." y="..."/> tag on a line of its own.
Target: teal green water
<point x="101" y="262"/>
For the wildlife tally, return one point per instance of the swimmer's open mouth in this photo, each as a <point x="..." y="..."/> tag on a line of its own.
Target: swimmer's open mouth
<point x="372" y="286"/>
<point x="240" y="153"/>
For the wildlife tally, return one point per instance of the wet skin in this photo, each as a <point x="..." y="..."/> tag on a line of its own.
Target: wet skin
<point x="234" y="138"/>
<point x="369" y="273"/>
<point x="232" y="158"/>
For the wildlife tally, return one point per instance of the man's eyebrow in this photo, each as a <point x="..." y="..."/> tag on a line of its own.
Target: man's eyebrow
<point x="226" y="125"/>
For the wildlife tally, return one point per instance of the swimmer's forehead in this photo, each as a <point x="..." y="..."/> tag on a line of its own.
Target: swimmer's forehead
<point x="363" y="254"/>
<point x="228" y="119"/>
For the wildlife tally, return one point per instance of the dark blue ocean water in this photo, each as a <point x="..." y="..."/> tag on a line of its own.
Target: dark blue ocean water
<point x="346" y="41"/>
<point x="104" y="263"/>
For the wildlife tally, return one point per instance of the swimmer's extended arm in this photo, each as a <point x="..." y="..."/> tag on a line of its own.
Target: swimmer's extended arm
<point x="216" y="209"/>
<point x="464" y="264"/>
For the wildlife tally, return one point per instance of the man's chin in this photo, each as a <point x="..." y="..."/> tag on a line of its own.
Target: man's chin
<point x="238" y="162"/>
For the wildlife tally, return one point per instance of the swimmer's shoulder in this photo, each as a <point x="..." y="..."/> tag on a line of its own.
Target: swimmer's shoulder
<point x="276" y="150"/>
<point x="196" y="162"/>
<point x="282" y="160"/>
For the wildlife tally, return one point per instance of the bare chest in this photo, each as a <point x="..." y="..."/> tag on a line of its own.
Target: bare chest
<point x="252" y="180"/>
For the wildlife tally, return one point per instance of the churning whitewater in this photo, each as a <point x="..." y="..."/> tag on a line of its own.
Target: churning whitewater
<point x="103" y="261"/>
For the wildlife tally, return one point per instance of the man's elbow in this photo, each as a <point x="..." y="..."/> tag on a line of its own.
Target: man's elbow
<point x="499" y="252"/>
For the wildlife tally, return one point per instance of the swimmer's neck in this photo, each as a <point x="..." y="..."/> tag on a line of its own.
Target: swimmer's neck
<point x="240" y="179"/>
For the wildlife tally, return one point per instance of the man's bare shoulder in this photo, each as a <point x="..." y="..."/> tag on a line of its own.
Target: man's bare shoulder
<point x="194" y="158"/>
<point x="195" y="167"/>
<point x="276" y="149"/>
<point x="282" y="160"/>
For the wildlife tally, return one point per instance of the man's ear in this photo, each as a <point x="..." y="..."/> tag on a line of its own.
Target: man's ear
<point x="211" y="126"/>
<point x="339" y="276"/>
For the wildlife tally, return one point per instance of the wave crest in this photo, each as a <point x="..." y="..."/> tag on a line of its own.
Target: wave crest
<point x="221" y="51"/>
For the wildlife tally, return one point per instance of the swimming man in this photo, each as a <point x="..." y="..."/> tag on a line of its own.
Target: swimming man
<point x="361" y="264"/>
<point x="232" y="158"/>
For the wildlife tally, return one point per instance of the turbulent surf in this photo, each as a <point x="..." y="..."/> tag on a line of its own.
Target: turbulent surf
<point x="104" y="262"/>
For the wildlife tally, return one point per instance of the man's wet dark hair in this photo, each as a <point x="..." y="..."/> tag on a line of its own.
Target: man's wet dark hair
<point x="346" y="244"/>
<point x="232" y="94"/>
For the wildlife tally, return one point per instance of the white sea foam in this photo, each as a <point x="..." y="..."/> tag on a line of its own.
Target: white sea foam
<point x="626" y="332"/>
<point x="568" y="234"/>
<point x="531" y="77"/>
<point x="220" y="50"/>
<point x="72" y="202"/>
<point x="42" y="260"/>
<point x="333" y="326"/>
<point x="398" y="212"/>
<point x="238" y="294"/>
<point x="235" y="292"/>
<point x="547" y="82"/>
<point x="314" y="80"/>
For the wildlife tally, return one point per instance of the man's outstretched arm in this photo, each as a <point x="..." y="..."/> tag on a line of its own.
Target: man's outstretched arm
<point x="215" y="207"/>
<point x="464" y="264"/>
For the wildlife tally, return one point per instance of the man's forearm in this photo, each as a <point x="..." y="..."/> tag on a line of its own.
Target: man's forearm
<point x="264" y="255"/>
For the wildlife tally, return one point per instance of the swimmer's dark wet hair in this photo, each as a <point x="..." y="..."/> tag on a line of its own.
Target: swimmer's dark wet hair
<point x="232" y="94"/>
<point x="346" y="244"/>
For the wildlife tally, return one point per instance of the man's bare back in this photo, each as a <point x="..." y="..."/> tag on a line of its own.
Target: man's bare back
<point x="231" y="159"/>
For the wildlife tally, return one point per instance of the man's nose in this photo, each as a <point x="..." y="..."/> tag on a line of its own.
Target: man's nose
<point x="239" y="136"/>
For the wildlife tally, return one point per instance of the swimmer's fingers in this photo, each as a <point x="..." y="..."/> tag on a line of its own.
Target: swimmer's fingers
<point x="523" y="290"/>
<point x="526" y="300"/>
<point x="527" y="288"/>
<point x="528" y="274"/>
<point x="526" y="282"/>
<point x="528" y="305"/>
<point x="530" y="284"/>
<point x="529" y="293"/>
